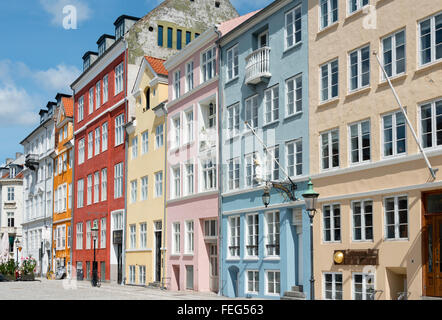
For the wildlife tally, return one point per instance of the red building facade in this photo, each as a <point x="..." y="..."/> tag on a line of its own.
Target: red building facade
<point x="99" y="175"/>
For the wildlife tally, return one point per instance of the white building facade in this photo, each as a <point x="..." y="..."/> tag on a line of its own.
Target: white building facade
<point x="38" y="189"/>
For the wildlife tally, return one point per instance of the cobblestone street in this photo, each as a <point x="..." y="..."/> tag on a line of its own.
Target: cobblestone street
<point x="82" y="290"/>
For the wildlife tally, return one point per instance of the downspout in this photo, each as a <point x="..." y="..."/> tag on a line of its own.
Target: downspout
<point x="71" y="251"/>
<point x="163" y="249"/>
<point x="220" y="167"/>
<point x="126" y="145"/>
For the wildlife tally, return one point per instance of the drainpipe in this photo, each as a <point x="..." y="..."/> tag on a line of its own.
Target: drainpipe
<point x="126" y="145"/>
<point x="163" y="249"/>
<point x="71" y="251"/>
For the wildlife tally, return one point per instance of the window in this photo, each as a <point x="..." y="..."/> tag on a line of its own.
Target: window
<point x="251" y="111"/>
<point x="252" y="281"/>
<point x="60" y="168"/>
<point x="363" y="286"/>
<point x="188" y="132"/>
<point x="272" y="166"/>
<point x="233" y="171"/>
<point x="133" y="236"/>
<point x="176" y="127"/>
<point x="332" y="286"/>
<point x="169" y="37"/>
<point x="329" y="12"/>
<point x="188" y="240"/>
<point x="208" y="69"/>
<point x="393" y="49"/>
<point x="332" y="223"/>
<point x="189" y="185"/>
<point x="160" y="36"/>
<point x="210" y="228"/>
<point x="135" y="148"/>
<point x="88" y="235"/>
<point x="292" y="27"/>
<point x="11" y="193"/>
<point x="176" y="182"/>
<point x="119" y="78"/>
<point x="97" y="141"/>
<point x="430" y="39"/>
<point x="250" y="169"/>
<point x="70" y="193"/>
<point x="69" y="240"/>
<point x="272" y="237"/>
<point x="360" y="142"/>
<point x="118" y="180"/>
<point x="80" y="193"/>
<point x="189" y="76"/>
<point x="119" y="30"/>
<point x="396" y="217"/>
<point x="96" y="187"/>
<point x="159" y="136"/>
<point x="98" y="94"/>
<point x="144" y="184"/>
<point x="294" y="157"/>
<point x="395" y="139"/>
<point x="188" y="37"/>
<point x="252" y="234"/>
<point x="179" y="39"/>
<point x="80" y="108"/>
<point x="132" y="274"/>
<point x="159" y="184"/>
<point x="271" y="102"/>
<point x="359" y="68"/>
<point x="176" y="238"/>
<point x="103" y="233"/>
<point x="355" y="5"/>
<point x="294" y="95"/>
<point x="104" y="137"/>
<point x="330" y="149"/>
<point x="143" y="235"/>
<point x="233" y="120"/>
<point x="273" y="282"/>
<point x="176" y="84"/>
<point x="105" y="88"/>
<point x="209" y="174"/>
<point x="232" y="63"/>
<point x="79" y="236"/>
<point x="212" y="116"/>
<point x="142" y="274"/>
<point x="234" y="234"/>
<point x="104" y="184"/>
<point x="362" y="220"/>
<point x="431" y="129"/>
<point x="89" y="189"/>
<point x="329" y="80"/>
<point x="56" y="208"/>
<point x="80" y="152"/>
<point x="64" y="197"/>
<point x="90" y="145"/>
<point x="10" y="219"/>
<point x="91" y="100"/>
<point x="133" y="191"/>
<point x="119" y="130"/>
<point x="147" y="94"/>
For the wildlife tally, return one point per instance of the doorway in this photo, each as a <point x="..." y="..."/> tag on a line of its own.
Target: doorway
<point x="157" y="236"/>
<point x="432" y="239"/>
<point x="213" y="256"/>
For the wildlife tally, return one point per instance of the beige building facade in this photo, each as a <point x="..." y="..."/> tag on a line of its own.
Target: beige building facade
<point x="379" y="205"/>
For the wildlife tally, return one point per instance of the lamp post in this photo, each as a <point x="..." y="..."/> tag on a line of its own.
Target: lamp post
<point x="311" y="199"/>
<point x="17" y="245"/>
<point x="94" y="231"/>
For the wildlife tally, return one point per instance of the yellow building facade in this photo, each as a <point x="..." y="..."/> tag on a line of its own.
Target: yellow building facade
<point x="378" y="204"/>
<point x="145" y="238"/>
<point x="63" y="189"/>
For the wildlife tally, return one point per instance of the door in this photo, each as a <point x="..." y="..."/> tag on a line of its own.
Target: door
<point x="213" y="250"/>
<point x="120" y="263"/>
<point x="433" y="268"/>
<point x="157" y="256"/>
<point x="263" y="39"/>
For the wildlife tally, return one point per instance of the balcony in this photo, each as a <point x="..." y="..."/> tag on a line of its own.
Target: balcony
<point x="258" y="66"/>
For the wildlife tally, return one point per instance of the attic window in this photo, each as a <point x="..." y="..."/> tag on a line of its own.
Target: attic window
<point x="217" y="4"/>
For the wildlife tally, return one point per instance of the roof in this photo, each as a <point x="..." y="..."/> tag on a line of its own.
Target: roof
<point x="229" y="25"/>
<point x="104" y="36"/>
<point x="68" y="104"/>
<point x="157" y="65"/>
<point x="125" y="17"/>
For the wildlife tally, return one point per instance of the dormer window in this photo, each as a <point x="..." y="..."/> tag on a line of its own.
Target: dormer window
<point x="101" y="48"/>
<point x="12" y="172"/>
<point x="119" y="30"/>
<point x="86" y="63"/>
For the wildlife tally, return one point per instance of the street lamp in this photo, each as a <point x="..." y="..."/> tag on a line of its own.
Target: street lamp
<point x="311" y="200"/>
<point x="17" y="246"/>
<point x="94" y="231"/>
<point x="266" y="197"/>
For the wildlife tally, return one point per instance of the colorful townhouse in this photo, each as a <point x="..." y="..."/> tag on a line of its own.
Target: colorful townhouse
<point x="145" y="177"/>
<point x="11" y="204"/>
<point x="161" y="33"/>
<point x="103" y="107"/>
<point x="63" y="187"/>
<point x="38" y="189"/>
<point x="192" y="166"/>
<point x="263" y="86"/>
<point x="377" y="233"/>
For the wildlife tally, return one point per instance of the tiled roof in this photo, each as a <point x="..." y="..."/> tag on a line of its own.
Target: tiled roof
<point x="157" y="65"/>
<point x="229" y="25"/>
<point x="68" y="104"/>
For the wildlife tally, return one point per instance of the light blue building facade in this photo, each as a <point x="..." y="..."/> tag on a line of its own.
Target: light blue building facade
<point x="264" y="81"/>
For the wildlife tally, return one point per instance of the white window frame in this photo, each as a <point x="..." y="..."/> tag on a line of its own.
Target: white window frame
<point x="332" y="223"/>
<point x="189" y="183"/>
<point x="134" y="148"/>
<point x="97" y="141"/>
<point x="103" y="184"/>
<point x="133" y="236"/>
<point x="271" y="166"/>
<point x="330" y="149"/>
<point x="234" y="238"/>
<point x="176" y="131"/>
<point x="333" y="283"/>
<point x="249" y="161"/>
<point x="143" y="235"/>
<point x="119" y="129"/>
<point x="208" y="64"/>
<point x="177" y="84"/>
<point x="432" y="39"/>
<point x="80" y="151"/>
<point x="189" y="239"/>
<point x="252" y="236"/>
<point x="360" y="142"/>
<point x="394" y="47"/>
<point x="81" y="108"/>
<point x="89" y="190"/>
<point x="118" y="180"/>
<point x="79" y="234"/>
<point x="91" y="100"/>
<point x="269" y="231"/>
<point x="103" y="233"/>
<point x="329" y="13"/>
<point x="232" y="69"/>
<point x="105" y="88"/>
<point x="292" y="170"/>
<point x="254" y="282"/>
<point x="271" y="112"/>
<point x="104" y="137"/>
<point x="188" y="130"/>
<point x="330" y="72"/>
<point x="80" y="193"/>
<point x="251" y="112"/>
<point x="233" y="120"/>
<point x="434" y="131"/>
<point x="287" y="35"/>
<point x="133" y="191"/>
<point x="359" y="85"/>
<point x="206" y="171"/>
<point x="159" y="136"/>
<point x="267" y="292"/>
<point x="297" y="95"/>
<point x="189" y="76"/>
<point x="158" y="184"/>
<point x="176" y="238"/>
<point x="364" y="283"/>
<point x="90" y="144"/>
<point x="176" y="182"/>
<point x="234" y="172"/>
<point x="396" y="218"/>
<point x="359" y="5"/>
<point x="98" y="95"/>
<point x="144" y="142"/>
<point x="363" y="216"/>
<point x="394" y="134"/>
<point x="144" y="188"/>
<point x="119" y="78"/>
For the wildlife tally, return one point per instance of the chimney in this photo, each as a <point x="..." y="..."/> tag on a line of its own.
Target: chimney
<point x="18" y="155"/>
<point x="9" y="160"/>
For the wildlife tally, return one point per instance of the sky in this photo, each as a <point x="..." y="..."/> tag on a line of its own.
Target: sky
<point x="39" y="57"/>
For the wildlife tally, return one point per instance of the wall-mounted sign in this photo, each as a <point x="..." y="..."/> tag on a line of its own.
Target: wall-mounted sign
<point x="356" y="257"/>
<point x="118" y="237"/>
